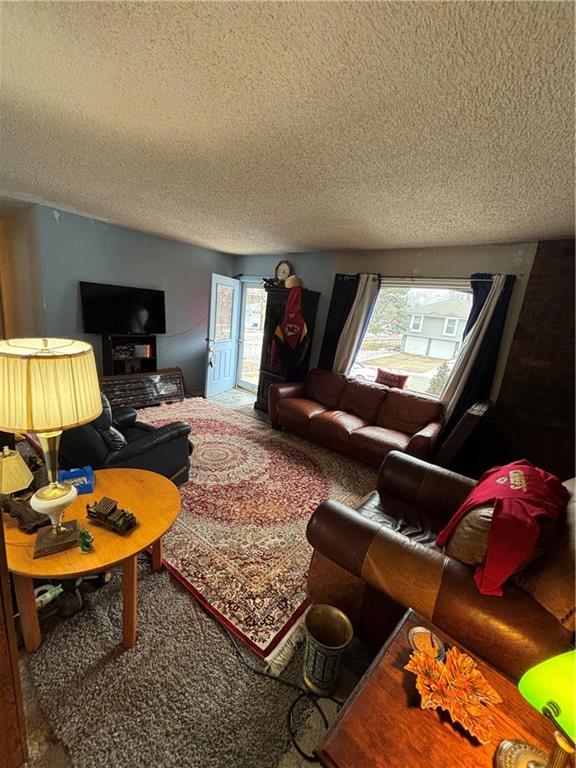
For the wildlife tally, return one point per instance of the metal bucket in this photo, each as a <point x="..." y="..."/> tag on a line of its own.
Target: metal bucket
<point x="328" y="633"/>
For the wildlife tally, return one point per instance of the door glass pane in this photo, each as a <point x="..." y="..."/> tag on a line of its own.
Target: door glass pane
<point x="252" y="334"/>
<point x="224" y="305"/>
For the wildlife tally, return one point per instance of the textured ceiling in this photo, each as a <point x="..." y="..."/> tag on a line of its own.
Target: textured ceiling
<point x="265" y="127"/>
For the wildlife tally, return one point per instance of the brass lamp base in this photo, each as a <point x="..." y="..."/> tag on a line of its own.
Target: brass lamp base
<point x="520" y="754"/>
<point x="52" y="500"/>
<point x="51" y="540"/>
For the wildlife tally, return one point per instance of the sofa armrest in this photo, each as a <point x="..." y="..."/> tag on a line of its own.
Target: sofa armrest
<point x="407" y="571"/>
<point x="123" y="417"/>
<point x="278" y="392"/>
<point x="513" y="632"/>
<point x="148" y="442"/>
<point x="341" y="534"/>
<point x="422" y="442"/>
<point x="434" y="489"/>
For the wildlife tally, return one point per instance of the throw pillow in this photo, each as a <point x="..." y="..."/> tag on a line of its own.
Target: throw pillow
<point x="469" y="541"/>
<point x="390" y="379"/>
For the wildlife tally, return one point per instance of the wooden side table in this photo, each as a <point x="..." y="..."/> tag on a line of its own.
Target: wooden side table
<point x="382" y="725"/>
<point x="154" y="500"/>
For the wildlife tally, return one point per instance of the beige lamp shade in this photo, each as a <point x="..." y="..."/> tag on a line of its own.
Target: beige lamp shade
<point x="14" y="474"/>
<point x="47" y="385"/>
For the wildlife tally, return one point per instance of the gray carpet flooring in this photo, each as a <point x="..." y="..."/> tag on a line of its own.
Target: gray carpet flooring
<point x="181" y="697"/>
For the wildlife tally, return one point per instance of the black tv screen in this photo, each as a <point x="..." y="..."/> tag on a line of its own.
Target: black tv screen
<point x="119" y="309"/>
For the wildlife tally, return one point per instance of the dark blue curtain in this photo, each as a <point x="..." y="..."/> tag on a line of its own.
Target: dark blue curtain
<point x="481" y="375"/>
<point x="481" y="283"/>
<point x="343" y="295"/>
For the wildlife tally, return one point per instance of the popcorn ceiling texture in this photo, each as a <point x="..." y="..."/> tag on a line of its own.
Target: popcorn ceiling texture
<point x="268" y="127"/>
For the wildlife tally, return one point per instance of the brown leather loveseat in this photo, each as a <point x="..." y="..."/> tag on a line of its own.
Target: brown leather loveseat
<point x="378" y="560"/>
<point x="358" y="418"/>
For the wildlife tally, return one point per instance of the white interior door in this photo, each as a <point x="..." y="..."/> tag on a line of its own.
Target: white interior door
<point x="222" y="335"/>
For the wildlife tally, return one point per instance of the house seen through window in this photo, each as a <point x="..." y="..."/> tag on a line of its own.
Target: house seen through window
<point x="415" y="331"/>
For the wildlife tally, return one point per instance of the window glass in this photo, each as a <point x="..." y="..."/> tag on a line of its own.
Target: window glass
<point x="224" y="306"/>
<point x="416" y="323"/>
<point x="416" y="332"/>
<point x="252" y="334"/>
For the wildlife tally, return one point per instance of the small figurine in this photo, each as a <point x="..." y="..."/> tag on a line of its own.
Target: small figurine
<point x="86" y="539"/>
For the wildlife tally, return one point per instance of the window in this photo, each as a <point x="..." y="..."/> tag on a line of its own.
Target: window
<point x="450" y="326"/>
<point x="416" y="330"/>
<point x="224" y="309"/>
<point x="416" y="323"/>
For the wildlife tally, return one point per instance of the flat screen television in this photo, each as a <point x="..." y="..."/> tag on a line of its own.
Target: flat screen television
<point x="119" y="309"/>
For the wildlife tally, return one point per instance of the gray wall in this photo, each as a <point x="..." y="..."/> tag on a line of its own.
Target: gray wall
<point x="318" y="270"/>
<point x="74" y="248"/>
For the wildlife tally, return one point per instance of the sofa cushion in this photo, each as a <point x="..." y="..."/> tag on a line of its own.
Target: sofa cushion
<point x="298" y="410"/>
<point x="402" y="518"/>
<point x="408" y="412"/>
<point x="363" y="398"/>
<point x="375" y="443"/>
<point x="325" y="387"/>
<point x="550" y="579"/>
<point x="333" y="428"/>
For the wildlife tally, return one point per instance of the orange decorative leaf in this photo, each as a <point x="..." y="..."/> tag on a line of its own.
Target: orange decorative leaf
<point x="457" y="686"/>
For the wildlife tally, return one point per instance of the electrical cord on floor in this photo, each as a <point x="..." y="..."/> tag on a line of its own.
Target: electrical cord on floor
<point x="303" y="693"/>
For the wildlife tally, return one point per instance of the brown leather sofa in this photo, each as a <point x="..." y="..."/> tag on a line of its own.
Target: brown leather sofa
<point x="378" y="560"/>
<point x="357" y="418"/>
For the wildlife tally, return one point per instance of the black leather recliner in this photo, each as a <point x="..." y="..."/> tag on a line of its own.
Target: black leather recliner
<point x="116" y="439"/>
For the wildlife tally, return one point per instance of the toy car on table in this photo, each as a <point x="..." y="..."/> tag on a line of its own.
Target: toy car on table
<point x="106" y="513"/>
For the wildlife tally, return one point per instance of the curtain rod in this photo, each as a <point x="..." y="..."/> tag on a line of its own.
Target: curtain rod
<point x="415" y="278"/>
<point x="444" y="279"/>
<point x="437" y="279"/>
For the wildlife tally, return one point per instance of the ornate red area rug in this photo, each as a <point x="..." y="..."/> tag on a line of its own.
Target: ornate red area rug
<point x="239" y="544"/>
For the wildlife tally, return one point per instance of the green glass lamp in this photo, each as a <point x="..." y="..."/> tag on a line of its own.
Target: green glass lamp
<point x="551" y="689"/>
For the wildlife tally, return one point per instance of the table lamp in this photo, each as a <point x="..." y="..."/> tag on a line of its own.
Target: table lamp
<point x="14" y="474"/>
<point x="551" y="689"/>
<point x="49" y="385"/>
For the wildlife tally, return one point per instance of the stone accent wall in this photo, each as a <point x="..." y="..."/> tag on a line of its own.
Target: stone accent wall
<point x="534" y="415"/>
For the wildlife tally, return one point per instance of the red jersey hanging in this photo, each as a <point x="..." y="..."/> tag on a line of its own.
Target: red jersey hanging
<point x="521" y="494"/>
<point x="291" y="340"/>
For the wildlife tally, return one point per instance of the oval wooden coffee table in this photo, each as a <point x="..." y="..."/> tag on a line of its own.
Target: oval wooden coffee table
<point x="154" y="500"/>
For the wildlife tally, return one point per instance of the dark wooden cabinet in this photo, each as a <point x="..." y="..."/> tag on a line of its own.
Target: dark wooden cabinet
<point x="275" y="308"/>
<point x="128" y="354"/>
